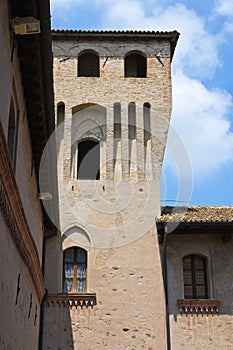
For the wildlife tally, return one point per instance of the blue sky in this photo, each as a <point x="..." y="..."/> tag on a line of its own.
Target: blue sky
<point x="202" y="114"/>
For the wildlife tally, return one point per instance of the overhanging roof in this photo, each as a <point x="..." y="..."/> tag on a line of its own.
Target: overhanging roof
<point x="36" y="64"/>
<point x="197" y="214"/>
<point x="127" y="35"/>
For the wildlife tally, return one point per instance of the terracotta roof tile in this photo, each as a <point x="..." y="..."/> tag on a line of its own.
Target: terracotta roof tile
<point x="205" y="214"/>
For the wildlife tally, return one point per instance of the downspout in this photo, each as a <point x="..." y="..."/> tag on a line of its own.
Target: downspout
<point x="41" y="329"/>
<point x="163" y="242"/>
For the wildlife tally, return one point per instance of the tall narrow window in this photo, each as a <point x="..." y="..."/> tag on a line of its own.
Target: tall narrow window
<point x="195" y="277"/>
<point x="88" y="65"/>
<point x="117" y="120"/>
<point x="75" y="267"/>
<point x="117" y="133"/>
<point x="88" y="160"/>
<point x="132" y="120"/>
<point x="135" y="66"/>
<point x="146" y="123"/>
<point x="13" y="132"/>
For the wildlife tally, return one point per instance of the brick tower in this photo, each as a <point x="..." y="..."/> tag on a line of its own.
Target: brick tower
<point x="103" y="274"/>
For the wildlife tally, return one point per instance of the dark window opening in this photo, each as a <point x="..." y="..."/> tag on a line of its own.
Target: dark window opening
<point x="75" y="267"/>
<point x="195" y="277"/>
<point x="12" y="133"/>
<point x="135" y="66"/>
<point x="117" y="121"/>
<point x="60" y="113"/>
<point x="88" y="160"/>
<point x="88" y="65"/>
<point x="132" y="120"/>
<point x="146" y="122"/>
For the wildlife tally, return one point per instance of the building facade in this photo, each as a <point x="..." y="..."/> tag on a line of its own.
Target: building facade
<point x="121" y="273"/>
<point x="113" y="101"/>
<point x="26" y="121"/>
<point x="196" y="250"/>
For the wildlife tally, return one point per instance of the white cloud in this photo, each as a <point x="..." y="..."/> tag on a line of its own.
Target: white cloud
<point x="64" y="3"/>
<point x="60" y="5"/>
<point x="201" y="118"/>
<point x="197" y="49"/>
<point x="225" y="8"/>
<point x="200" y="115"/>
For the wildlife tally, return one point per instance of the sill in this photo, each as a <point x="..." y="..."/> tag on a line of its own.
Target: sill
<point x="71" y="299"/>
<point x="198" y="306"/>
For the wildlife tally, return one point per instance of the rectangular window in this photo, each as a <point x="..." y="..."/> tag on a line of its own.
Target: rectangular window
<point x="75" y="266"/>
<point x="195" y="277"/>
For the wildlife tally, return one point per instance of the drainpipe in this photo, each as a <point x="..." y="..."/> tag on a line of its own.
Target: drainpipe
<point x="163" y="242"/>
<point x="41" y="329"/>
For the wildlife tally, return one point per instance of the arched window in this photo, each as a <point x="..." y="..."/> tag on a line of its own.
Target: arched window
<point x="135" y="66"/>
<point x="195" y="277"/>
<point x="75" y="267"/>
<point x="88" y="65"/>
<point x="88" y="160"/>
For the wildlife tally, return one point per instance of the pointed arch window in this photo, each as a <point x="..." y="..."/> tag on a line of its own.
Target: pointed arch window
<point x="195" y="277"/>
<point x="75" y="270"/>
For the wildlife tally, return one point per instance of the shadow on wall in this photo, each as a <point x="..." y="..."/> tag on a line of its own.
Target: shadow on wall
<point x="67" y="317"/>
<point x="57" y="328"/>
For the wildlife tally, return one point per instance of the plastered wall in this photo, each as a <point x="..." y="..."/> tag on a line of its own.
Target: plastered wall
<point x="201" y="331"/>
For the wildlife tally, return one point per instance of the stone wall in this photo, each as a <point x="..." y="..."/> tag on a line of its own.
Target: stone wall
<point x="112" y="218"/>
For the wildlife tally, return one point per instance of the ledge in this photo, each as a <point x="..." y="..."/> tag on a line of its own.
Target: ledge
<point x="198" y="306"/>
<point x="73" y="299"/>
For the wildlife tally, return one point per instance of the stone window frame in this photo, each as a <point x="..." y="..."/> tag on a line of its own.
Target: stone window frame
<point x="196" y="305"/>
<point x="75" y="270"/>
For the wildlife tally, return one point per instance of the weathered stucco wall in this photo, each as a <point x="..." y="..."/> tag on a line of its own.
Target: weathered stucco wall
<point x="20" y="307"/>
<point x="11" y="87"/>
<point x="201" y="331"/>
<point x="19" y="315"/>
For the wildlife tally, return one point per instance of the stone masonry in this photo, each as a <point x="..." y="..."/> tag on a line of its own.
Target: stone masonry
<point x="112" y="218"/>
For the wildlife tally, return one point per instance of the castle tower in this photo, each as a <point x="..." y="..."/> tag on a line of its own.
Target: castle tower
<point x="113" y="102"/>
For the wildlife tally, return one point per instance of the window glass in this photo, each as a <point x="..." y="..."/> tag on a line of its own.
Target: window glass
<point x="75" y="266"/>
<point x="195" y="277"/>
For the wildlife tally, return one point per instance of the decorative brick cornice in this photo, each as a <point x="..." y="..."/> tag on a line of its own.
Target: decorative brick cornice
<point x="198" y="306"/>
<point x="12" y="210"/>
<point x="79" y="299"/>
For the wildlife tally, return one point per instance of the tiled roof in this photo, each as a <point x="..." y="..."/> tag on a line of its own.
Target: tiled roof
<point x="171" y="36"/>
<point x="196" y="214"/>
<point x="116" y="32"/>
